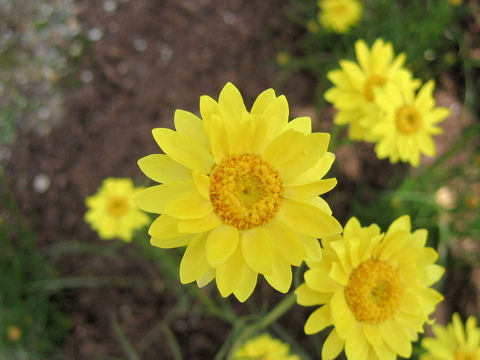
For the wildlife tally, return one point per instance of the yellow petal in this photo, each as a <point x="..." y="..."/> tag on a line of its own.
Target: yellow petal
<point x="231" y="103"/>
<point x="221" y="243"/>
<point x="169" y="243"/>
<point x="205" y="279"/>
<point x="280" y="278"/>
<point x="308" y="191"/>
<point x="199" y="225"/>
<point x="194" y="263"/>
<point x="332" y="346"/>
<point x="277" y="114"/>
<point x="184" y="150"/>
<point x="258" y="250"/>
<point x="161" y="168"/>
<point x="356" y="346"/>
<point x="164" y="227"/>
<point x="317" y="279"/>
<point x="287" y="243"/>
<point x="246" y="284"/>
<point x="301" y="124"/>
<point x="402" y="223"/>
<point x="154" y="199"/>
<point x="191" y="126"/>
<point x="396" y="338"/>
<point x="189" y="206"/>
<point x="312" y="249"/>
<point x="218" y="138"/>
<point x="308" y="220"/>
<point x="262" y="101"/>
<point x="373" y="335"/>
<point x="308" y="297"/>
<point x="314" y="173"/>
<point x="202" y="184"/>
<point x="342" y="316"/>
<point x="282" y="148"/>
<point x="318" y="320"/>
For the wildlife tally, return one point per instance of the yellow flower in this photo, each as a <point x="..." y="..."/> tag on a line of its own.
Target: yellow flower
<point x="453" y="341"/>
<point x="353" y="94"/>
<point x="407" y="123"/>
<point x="339" y="15"/>
<point x="111" y="212"/>
<point x="264" y="347"/>
<point x="374" y="289"/>
<point x="241" y="190"/>
<point x="14" y="333"/>
<point x="455" y="2"/>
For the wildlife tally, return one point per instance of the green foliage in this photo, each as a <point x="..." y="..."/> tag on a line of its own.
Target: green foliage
<point x="31" y="326"/>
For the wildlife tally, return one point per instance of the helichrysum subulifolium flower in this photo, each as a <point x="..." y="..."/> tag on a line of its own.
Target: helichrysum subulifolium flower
<point x="264" y="347"/>
<point x="374" y="289"/>
<point x="408" y="121"/>
<point x="454" y="341"/>
<point x="111" y="212"/>
<point x="353" y="94"/>
<point x="339" y="15"/>
<point x="240" y="189"/>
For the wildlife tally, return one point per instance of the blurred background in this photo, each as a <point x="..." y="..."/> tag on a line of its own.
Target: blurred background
<point x="82" y="83"/>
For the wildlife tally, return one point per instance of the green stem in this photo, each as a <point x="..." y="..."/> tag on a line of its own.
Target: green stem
<point x="278" y="311"/>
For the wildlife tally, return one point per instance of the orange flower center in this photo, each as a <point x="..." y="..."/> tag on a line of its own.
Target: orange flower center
<point x="372" y="81"/>
<point x="117" y="206"/>
<point x="245" y="191"/>
<point x="462" y="355"/>
<point x="373" y="291"/>
<point x="408" y="120"/>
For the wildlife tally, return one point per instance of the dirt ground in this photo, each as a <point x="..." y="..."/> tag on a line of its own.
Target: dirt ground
<point x="154" y="56"/>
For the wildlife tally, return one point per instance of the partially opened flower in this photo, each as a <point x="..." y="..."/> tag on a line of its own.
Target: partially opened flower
<point x="353" y="94"/>
<point x="241" y="190"/>
<point x="264" y="347"/>
<point x="374" y="289"/>
<point x="407" y="123"/>
<point x="454" y="341"/>
<point x="339" y="15"/>
<point x="111" y="212"/>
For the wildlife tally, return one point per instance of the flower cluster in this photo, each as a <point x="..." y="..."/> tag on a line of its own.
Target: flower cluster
<point x="266" y="348"/>
<point x="382" y="103"/>
<point x="453" y="341"/>
<point x="241" y="190"/>
<point x="339" y="15"/>
<point x="111" y="211"/>
<point x="374" y="289"/>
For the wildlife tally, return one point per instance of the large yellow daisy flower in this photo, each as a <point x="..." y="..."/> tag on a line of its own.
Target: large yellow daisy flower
<point x="407" y="123"/>
<point x="241" y="190"/>
<point x="339" y="15"/>
<point x="353" y="93"/>
<point x="264" y="347"/>
<point x="374" y="289"/>
<point x="111" y="212"/>
<point x="453" y="341"/>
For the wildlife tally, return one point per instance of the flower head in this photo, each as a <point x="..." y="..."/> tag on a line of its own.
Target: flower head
<point x="353" y="94"/>
<point x="454" y="341"/>
<point x="111" y="211"/>
<point x="241" y="190"/>
<point x="407" y="123"/>
<point x="264" y="347"/>
<point x="339" y="15"/>
<point x="374" y="290"/>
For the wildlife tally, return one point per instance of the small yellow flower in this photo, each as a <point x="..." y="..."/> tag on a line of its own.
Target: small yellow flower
<point x="374" y="290"/>
<point x="283" y="58"/>
<point x="339" y="15"/>
<point x="264" y="347"/>
<point x="111" y="211"/>
<point x="241" y="190"/>
<point x="453" y="341"/>
<point x="353" y="94"/>
<point x="14" y="333"/>
<point x="455" y="2"/>
<point x="407" y="123"/>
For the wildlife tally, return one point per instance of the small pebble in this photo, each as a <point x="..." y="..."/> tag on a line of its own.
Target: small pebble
<point x="140" y="44"/>
<point x="95" y="34"/>
<point x="109" y="5"/>
<point x="41" y="183"/>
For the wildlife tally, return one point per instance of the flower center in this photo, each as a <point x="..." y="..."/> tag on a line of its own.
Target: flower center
<point x="117" y="206"/>
<point x="462" y="355"/>
<point x="340" y="9"/>
<point x="408" y="120"/>
<point x="373" y="291"/>
<point x="372" y="81"/>
<point x="245" y="191"/>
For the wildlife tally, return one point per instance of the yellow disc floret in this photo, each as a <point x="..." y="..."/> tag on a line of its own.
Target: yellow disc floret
<point x="245" y="191"/>
<point x="373" y="291"/>
<point x="408" y="120"/>
<point x="118" y="206"/>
